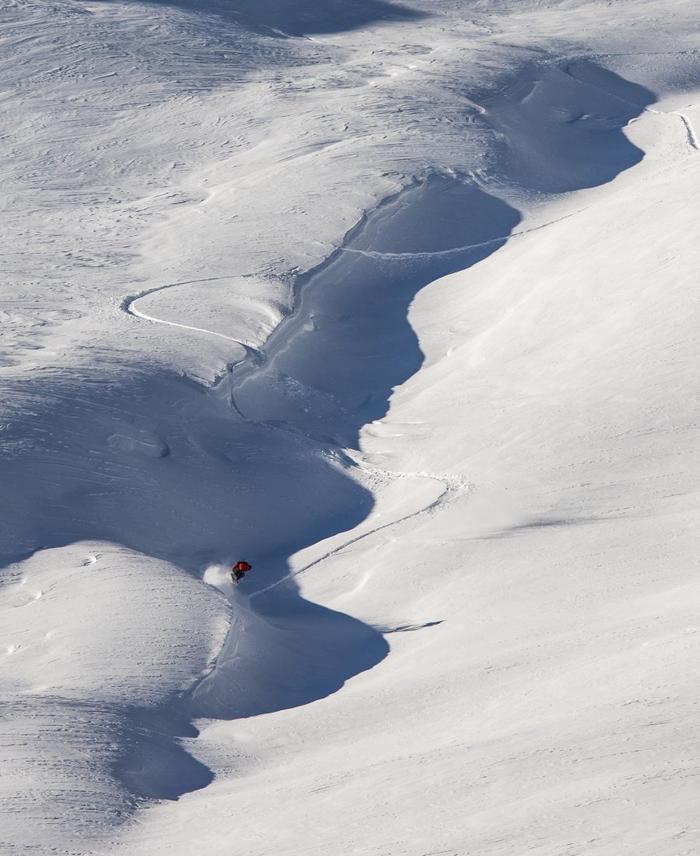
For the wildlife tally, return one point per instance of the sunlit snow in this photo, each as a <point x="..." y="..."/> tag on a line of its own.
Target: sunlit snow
<point x="398" y="301"/>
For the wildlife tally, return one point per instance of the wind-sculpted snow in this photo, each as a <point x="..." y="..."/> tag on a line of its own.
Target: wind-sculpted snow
<point x="394" y="301"/>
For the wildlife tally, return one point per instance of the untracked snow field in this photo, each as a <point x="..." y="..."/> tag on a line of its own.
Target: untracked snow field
<point x="399" y="301"/>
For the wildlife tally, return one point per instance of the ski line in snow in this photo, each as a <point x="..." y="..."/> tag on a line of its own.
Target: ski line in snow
<point x="376" y="254"/>
<point x="209" y="670"/>
<point x="128" y="305"/>
<point x="692" y="137"/>
<point x="450" y="484"/>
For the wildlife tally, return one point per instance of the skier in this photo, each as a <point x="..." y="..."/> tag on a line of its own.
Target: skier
<point x="238" y="571"/>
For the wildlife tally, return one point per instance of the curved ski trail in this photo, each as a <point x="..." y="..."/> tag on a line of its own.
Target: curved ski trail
<point x="451" y="486"/>
<point x="128" y="305"/>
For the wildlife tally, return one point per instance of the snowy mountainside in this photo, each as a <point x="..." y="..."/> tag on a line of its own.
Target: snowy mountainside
<point x="539" y="692"/>
<point x="399" y="303"/>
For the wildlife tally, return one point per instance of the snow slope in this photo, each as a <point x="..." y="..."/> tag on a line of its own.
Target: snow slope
<point x="464" y="468"/>
<point x="540" y="690"/>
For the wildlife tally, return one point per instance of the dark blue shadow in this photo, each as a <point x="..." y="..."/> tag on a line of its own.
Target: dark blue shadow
<point x="561" y="126"/>
<point x="333" y="367"/>
<point x="289" y="18"/>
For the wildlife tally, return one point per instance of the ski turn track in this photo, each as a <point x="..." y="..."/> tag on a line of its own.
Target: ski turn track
<point x="693" y="142"/>
<point x="451" y="487"/>
<point x="691" y="136"/>
<point x="128" y="305"/>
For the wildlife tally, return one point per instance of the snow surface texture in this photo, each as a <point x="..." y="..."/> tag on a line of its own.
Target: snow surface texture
<point x="398" y="302"/>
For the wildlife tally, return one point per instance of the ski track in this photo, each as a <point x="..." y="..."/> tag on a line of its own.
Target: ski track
<point x="691" y="136"/>
<point x="217" y="660"/>
<point x="128" y="305"/>
<point x="693" y="142"/>
<point x="375" y="254"/>
<point x="451" y="487"/>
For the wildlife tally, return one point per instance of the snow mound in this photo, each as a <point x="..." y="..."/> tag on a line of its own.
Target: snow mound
<point x="95" y="639"/>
